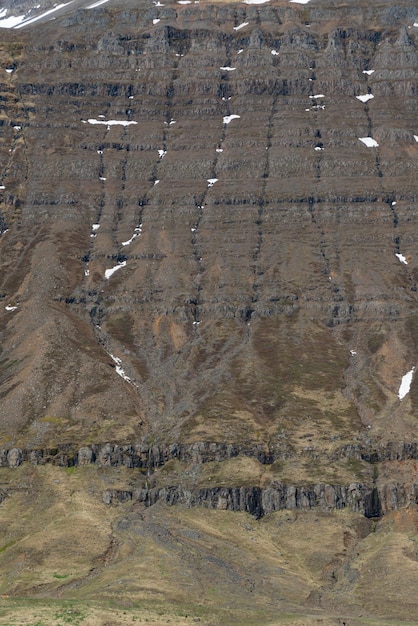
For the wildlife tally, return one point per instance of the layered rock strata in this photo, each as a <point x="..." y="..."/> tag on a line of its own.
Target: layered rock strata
<point x="372" y="502"/>
<point x="208" y="233"/>
<point x="152" y="458"/>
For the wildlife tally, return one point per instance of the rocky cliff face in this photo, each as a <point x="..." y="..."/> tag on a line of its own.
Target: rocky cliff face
<point x="266" y="303"/>
<point x="208" y="252"/>
<point x="196" y="242"/>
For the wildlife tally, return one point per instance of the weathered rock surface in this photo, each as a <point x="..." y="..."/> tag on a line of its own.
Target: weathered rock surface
<point x="235" y="305"/>
<point x="152" y="458"/>
<point x="365" y="499"/>
<point x="208" y="299"/>
<point x="196" y="247"/>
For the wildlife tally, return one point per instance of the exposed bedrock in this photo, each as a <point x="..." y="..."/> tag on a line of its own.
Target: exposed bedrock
<point x="141" y="456"/>
<point x="196" y="246"/>
<point x="368" y="500"/>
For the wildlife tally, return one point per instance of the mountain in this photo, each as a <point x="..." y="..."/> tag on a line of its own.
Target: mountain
<point x="208" y="311"/>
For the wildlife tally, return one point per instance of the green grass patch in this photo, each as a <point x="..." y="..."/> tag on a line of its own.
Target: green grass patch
<point x="121" y="328"/>
<point x="375" y="342"/>
<point x="70" y="616"/>
<point x="6" y="545"/>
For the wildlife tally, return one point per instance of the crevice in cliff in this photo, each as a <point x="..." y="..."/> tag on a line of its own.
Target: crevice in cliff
<point x="224" y="93"/>
<point x="256" y="270"/>
<point x="312" y="200"/>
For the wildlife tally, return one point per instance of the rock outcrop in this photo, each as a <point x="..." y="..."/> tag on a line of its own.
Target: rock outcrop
<point x="208" y="298"/>
<point x="365" y="499"/>
<point x="154" y="457"/>
<point x="208" y="218"/>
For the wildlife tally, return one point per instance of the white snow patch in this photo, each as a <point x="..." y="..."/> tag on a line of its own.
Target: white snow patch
<point x="158" y="4"/>
<point x="184" y="2"/>
<point x="212" y="181"/>
<point x="353" y="352"/>
<point x="156" y="21"/>
<point x="95" y="226"/>
<point x="156" y="182"/>
<point x="17" y="127"/>
<point x="318" y="148"/>
<point x="394" y="202"/>
<point x="274" y="53"/>
<point x="226" y="68"/>
<point x="112" y="270"/>
<point x="365" y="98"/>
<point x="416" y="137"/>
<point x="2" y="187"/>
<point x="318" y="95"/>
<point x="219" y="150"/>
<point x="9" y="70"/>
<point x="10" y="307"/>
<point x="368" y="72"/>
<point x="110" y="122"/>
<point x="241" y="50"/>
<point x="406" y="384"/>
<point x="162" y="153"/>
<point x="255" y="1"/>
<point x="39" y="17"/>
<point x="86" y="272"/>
<point x="119" y="369"/>
<point x="415" y="24"/>
<point x="229" y="118"/>
<point x="136" y="234"/>
<point x="96" y="4"/>
<point x="12" y="21"/>
<point x="102" y="178"/>
<point x="241" y="26"/>
<point x="402" y="259"/>
<point x="369" y="142"/>
<point x="300" y="1"/>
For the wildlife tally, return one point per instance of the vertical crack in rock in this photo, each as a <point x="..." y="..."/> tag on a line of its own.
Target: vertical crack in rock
<point x="257" y="271"/>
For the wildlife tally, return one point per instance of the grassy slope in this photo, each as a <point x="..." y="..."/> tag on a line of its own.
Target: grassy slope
<point x="63" y="550"/>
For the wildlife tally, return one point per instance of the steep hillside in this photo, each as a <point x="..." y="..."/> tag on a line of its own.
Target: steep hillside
<point x="208" y="295"/>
